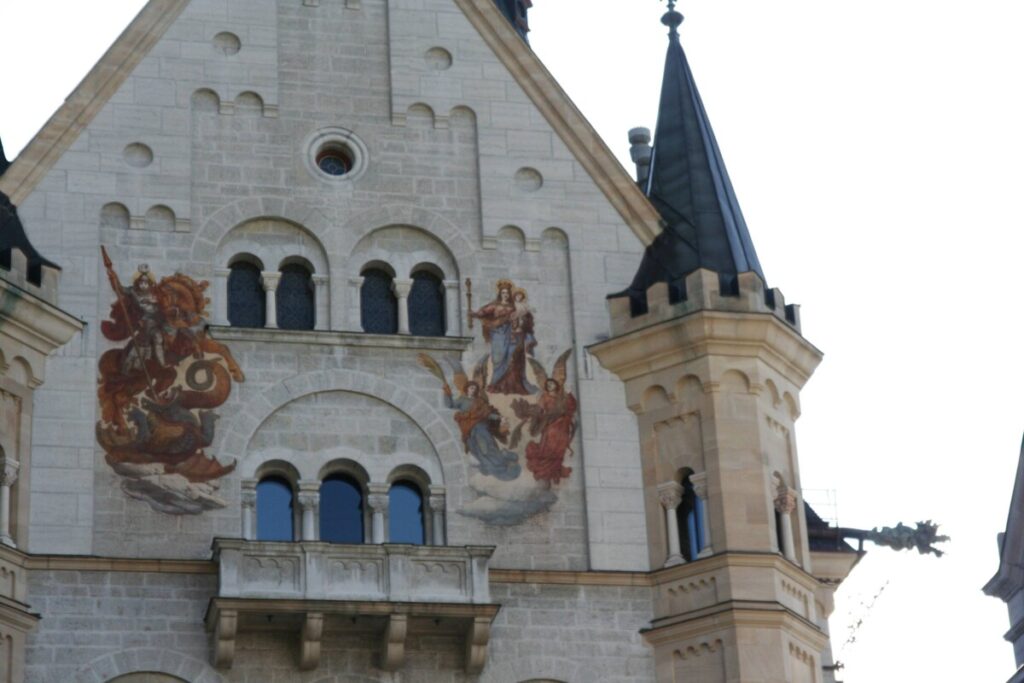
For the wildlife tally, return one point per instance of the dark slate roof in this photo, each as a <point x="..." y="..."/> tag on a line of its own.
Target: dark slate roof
<point x="821" y="537"/>
<point x="690" y="187"/>
<point x="515" y="11"/>
<point x="12" y="234"/>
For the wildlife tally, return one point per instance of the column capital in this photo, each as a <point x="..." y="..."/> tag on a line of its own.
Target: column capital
<point x="670" y="494"/>
<point x="8" y="471"/>
<point x="401" y="288"/>
<point x="222" y="272"/>
<point x="786" y="501"/>
<point x="451" y="284"/>
<point x="320" y="280"/>
<point x="309" y="500"/>
<point x="248" y="500"/>
<point x="270" y="280"/>
<point x="700" y="484"/>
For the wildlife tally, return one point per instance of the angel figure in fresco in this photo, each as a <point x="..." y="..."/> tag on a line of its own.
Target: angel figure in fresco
<point x="553" y="418"/>
<point x="508" y="328"/>
<point x="482" y="427"/>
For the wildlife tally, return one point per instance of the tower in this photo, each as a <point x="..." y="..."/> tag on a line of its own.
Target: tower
<point x="713" y="362"/>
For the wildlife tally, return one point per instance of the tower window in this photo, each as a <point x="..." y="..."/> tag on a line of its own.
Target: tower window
<point x="341" y="510"/>
<point x="296" y="308"/>
<point x="405" y="509"/>
<point x="275" y="510"/>
<point x="426" y="305"/>
<point x="378" y="305"/>
<point x="690" y="515"/>
<point x="246" y="299"/>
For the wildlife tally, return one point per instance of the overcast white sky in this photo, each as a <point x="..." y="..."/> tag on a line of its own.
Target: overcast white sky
<point x="876" y="148"/>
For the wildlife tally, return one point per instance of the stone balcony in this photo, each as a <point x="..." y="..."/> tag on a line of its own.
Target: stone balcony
<point x="384" y="589"/>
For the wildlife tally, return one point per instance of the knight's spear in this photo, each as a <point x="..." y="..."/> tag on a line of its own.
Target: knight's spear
<point x="116" y="285"/>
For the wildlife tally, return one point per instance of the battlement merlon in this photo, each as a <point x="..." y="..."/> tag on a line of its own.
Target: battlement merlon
<point x="16" y="272"/>
<point x="753" y="323"/>
<point x="703" y="291"/>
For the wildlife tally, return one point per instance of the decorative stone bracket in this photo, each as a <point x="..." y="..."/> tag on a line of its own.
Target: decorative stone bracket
<point x="226" y="617"/>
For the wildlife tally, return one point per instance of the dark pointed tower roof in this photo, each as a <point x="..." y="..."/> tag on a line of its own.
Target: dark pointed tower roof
<point x="690" y="187"/>
<point x="12" y="234"/>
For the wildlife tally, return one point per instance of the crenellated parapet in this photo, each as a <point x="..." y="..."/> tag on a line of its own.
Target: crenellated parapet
<point x="702" y="290"/>
<point x="40" y="280"/>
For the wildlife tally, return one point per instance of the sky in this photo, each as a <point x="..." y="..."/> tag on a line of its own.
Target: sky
<point x="877" y="150"/>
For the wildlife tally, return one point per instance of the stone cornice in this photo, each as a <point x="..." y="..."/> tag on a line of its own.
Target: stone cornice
<point x="710" y="333"/>
<point x="568" y="123"/>
<point x="34" y="322"/>
<point x="331" y="338"/>
<point x="85" y="102"/>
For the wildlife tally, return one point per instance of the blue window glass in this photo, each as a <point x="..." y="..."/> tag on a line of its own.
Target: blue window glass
<point x="274" y="510"/>
<point x="426" y="305"/>
<point x="378" y="305"/>
<point x="296" y="309"/>
<point x="690" y="515"/>
<point x="341" y="510"/>
<point x="246" y="299"/>
<point x="405" y="510"/>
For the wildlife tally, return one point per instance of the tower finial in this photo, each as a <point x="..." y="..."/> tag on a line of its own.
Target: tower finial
<point x="672" y="18"/>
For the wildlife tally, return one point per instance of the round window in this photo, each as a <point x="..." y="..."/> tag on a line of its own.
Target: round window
<point x="334" y="160"/>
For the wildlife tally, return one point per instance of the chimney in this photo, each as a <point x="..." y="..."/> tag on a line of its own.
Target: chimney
<point x="640" y="150"/>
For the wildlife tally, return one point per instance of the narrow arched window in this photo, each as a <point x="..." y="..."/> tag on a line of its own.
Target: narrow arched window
<point x="296" y="309"/>
<point x="378" y="305"/>
<point x="405" y="510"/>
<point x="247" y="302"/>
<point x="275" y="510"/>
<point x="341" y="510"/>
<point x="690" y="515"/>
<point x="426" y="305"/>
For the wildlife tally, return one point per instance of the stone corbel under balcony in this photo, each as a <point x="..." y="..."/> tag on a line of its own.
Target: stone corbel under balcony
<point x="389" y="590"/>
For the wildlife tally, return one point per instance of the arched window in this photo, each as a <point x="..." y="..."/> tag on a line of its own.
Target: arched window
<point x="690" y="515"/>
<point x="341" y="510"/>
<point x="247" y="301"/>
<point x="378" y="305"/>
<point x="426" y="305"/>
<point x="405" y="509"/>
<point x="275" y="510"/>
<point x="296" y="309"/>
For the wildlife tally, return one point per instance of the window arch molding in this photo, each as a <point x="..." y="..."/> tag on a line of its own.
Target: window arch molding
<point x="272" y="244"/>
<point x="264" y="503"/>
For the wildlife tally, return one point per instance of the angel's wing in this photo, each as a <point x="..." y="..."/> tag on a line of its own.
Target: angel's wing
<point x="432" y="365"/>
<point x="539" y="371"/>
<point x="459" y="378"/>
<point x="561" y="371"/>
<point x="480" y="373"/>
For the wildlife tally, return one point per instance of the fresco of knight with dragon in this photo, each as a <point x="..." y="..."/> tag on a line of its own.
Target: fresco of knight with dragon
<point x="157" y="392"/>
<point x="517" y="419"/>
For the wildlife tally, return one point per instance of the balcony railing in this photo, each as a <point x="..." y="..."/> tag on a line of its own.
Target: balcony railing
<point x="402" y="585"/>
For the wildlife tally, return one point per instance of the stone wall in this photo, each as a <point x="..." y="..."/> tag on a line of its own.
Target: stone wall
<point x="100" y="625"/>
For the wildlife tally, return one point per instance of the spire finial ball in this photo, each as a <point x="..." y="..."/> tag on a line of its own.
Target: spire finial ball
<point x="672" y="18"/>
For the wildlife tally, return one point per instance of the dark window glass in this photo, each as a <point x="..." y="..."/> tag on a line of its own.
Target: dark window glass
<point x="341" y="510"/>
<point x="778" y="531"/>
<point x="426" y="305"/>
<point x="246" y="299"/>
<point x="296" y="309"/>
<point x="690" y="514"/>
<point x="378" y="305"/>
<point x="274" y="510"/>
<point x="405" y="510"/>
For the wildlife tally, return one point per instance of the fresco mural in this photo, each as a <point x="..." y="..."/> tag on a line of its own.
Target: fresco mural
<point x="157" y="392"/>
<point x="517" y="420"/>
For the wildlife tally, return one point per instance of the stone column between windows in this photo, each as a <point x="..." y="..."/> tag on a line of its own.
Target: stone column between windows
<point x="451" y="308"/>
<point x="248" y="502"/>
<point x="354" y="310"/>
<point x="671" y="495"/>
<point x="309" y="502"/>
<point x="437" y="505"/>
<point x="785" y="504"/>
<point x="321" y="302"/>
<point x="270" y="281"/>
<point x="378" y="501"/>
<point x="700" y="487"/>
<point x="8" y="475"/>
<point x="401" y="288"/>
<point x="220" y="296"/>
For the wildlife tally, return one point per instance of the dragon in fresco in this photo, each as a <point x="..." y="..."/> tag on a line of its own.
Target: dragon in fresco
<point x="157" y="392"/>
